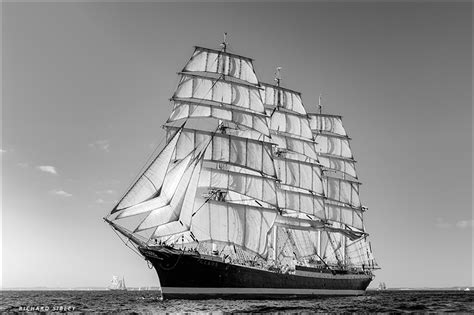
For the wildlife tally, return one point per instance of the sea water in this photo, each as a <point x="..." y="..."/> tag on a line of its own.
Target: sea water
<point x="150" y="302"/>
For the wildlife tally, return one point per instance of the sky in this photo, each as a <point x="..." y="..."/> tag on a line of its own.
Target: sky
<point x="85" y="89"/>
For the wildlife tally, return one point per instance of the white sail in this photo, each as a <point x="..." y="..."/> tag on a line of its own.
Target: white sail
<point x="289" y="123"/>
<point x="229" y="93"/>
<point x="344" y="165"/>
<point x="306" y="242"/>
<point x="180" y="219"/>
<point x="334" y="249"/>
<point x="171" y="211"/>
<point x="170" y="185"/>
<point x="334" y="145"/>
<point x="244" y="152"/>
<point x="294" y="145"/>
<point x="346" y="215"/>
<point x="327" y="123"/>
<point x="301" y="202"/>
<point x="359" y="253"/>
<point x="182" y="200"/>
<point x="184" y="110"/>
<point x="149" y="183"/>
<point x="189" y="203"/>
<point x="299" y="174"/>
<point x="241" y="225"/>
<point x="209" y="60"/>
<point x="254" y="186"/>
<point x="275" y="96"/>
<point x="342" y="190"/>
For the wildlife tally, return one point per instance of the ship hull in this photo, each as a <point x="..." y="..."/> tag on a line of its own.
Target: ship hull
<point x="188" y="275"/>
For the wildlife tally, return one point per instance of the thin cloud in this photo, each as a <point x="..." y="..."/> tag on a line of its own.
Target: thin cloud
<point x="106" y="192"/>
<point x="61" y="193"/>
<point x="2" y="151"/>
<point x="103" y="145"/>
<point x="442" y="224"/>
<point x="102" y="201"/>
<point x="48" y="169"/>
<point x="23" y="165"/>
<point x="465" y="224"/>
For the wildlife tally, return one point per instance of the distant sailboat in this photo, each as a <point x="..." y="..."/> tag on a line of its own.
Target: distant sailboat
<point x="117" y="284"/>
<point x="382" y="286"/>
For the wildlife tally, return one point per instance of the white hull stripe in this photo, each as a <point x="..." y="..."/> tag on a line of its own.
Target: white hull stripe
<point x="256" y="291"/>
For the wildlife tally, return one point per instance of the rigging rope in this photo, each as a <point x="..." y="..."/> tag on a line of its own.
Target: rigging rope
<point x="132" y="248"/>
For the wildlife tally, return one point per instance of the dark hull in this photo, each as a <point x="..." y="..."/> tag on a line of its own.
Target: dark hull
<point x="188" y="275"/>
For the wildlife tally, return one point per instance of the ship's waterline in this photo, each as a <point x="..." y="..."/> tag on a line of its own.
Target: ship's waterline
<point x="246" y="292"/>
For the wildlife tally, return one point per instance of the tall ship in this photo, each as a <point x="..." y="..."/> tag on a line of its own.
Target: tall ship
<point x="117" y="284"/>
<point x="382" y="286"/>
<point x="249" y="195"/>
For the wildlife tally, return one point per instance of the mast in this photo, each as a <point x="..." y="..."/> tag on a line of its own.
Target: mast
<point x="224" y="43"/>
<point x="341" y="184"/>
<point x="221" y="60"/>
<point x="320" y="103"/>
<point x="278" y="81"/>
<point x="300" y="189"/>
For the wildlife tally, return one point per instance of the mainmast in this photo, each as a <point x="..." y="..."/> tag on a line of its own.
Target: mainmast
<point x="300" y="190"/>
<point x="221" y="125"/>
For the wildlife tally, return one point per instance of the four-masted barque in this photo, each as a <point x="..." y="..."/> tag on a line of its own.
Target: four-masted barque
<point x="251" y="196"/>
